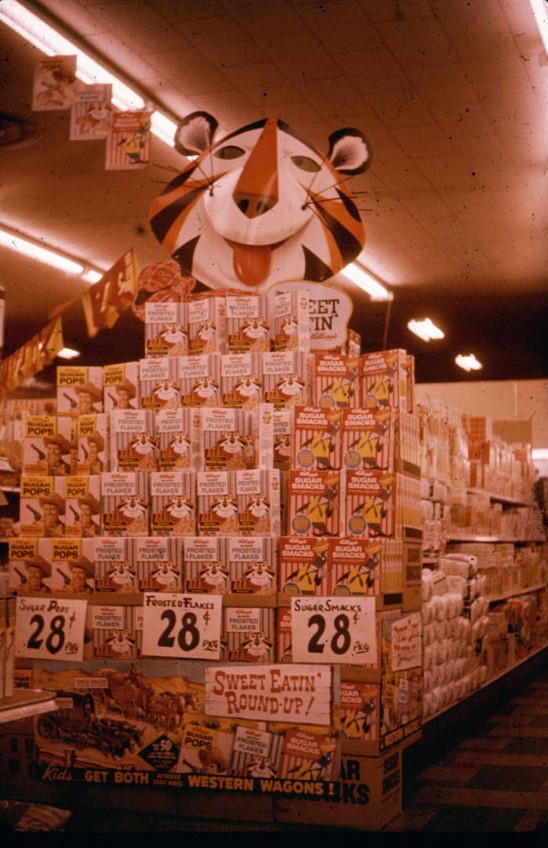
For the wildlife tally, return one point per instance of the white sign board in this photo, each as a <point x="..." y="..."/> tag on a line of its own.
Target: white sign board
<point x="182" y="626"/>
<point x="328" y="629"/>
<point x="50" y="628"/>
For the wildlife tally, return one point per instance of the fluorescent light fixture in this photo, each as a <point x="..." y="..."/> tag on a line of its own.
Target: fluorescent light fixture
<point x="68" y="353"/>
<point x="468" y="362"/>
<point x="365" y="281"/>
<point x="425" y="329"/>
<point x="46" y="255"/>
<point x="540" y="11"/>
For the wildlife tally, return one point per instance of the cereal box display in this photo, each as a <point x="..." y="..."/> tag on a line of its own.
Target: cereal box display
<point x="248" y="634"/>
<point x="42" y="506"/>
<point x="173" y="503"/>
<point x="226" y="439"/>
<point x="115" y="570"/>
<point x="159" y="384"/>
<point x="252" y="564"/>
<point x="258" y="499"/>
<point x="358" y="712"/>
<point x="241" y="384"/>
<point x="289" y="320"/>
<point x="317" y="437"/>
<point x="313" y="508"/>
<point x="286" y="378"/>
<point x="362" y="566"/>
<point x="125" y="503"/>
<point x="368" y="438"/>
<point x="83" y="505"/>
<point x="121" y="386"/>
<point x="256" y="753"/>
<point x="336" y="380"/>
<point x="384" y="380"/>
<point x="133" y="440"/>
<point x="274" y="436"/>
<point x="166" y="331"/>
<point x="177" y="431"/>
<point x="72" y="564"/>
<point x="159" y="563"/>
<point x="22" y="578"/>
<point x="217" y="503"/>
<point x="204" y="567"/>
<point x="369" y="503"/>
<point x="308" y="756"/>
<point x="79" y="389"/>
<point x="117" y="631"/>
<point x="49" y="445"/>
<point x="247" y="325"/>
<point x="93" y="439"/>
<point x="284" y="647"/>
<point x="199" y="377"/>
<point x="303" y="564"/>
<point x="207" y="324"/>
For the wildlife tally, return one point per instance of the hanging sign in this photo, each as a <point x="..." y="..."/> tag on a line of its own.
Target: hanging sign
<point x="182" y="626"/>
<point x="50" y="628"/>
<point x="333" y="629"/>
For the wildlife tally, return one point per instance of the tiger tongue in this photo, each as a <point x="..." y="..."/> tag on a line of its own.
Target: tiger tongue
<point x="251" y="262"/>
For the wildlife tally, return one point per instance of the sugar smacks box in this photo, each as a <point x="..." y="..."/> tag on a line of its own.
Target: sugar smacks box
<point x="336" y="380"/>
<point x="368" y="438"/>
<point x="289" y="320"/>
<point x="200" y="379"/>
<point x="116" y="631"/>
<point x="173" y="503"/>
<point x="159" y="385"/>
<point x="226" y="439"/>
<point x="252" y="564"/>
<point x="204" y="569"/>
<point x="125" y="503"/>
<point x="217" y="504"/>
<point x="362" y="566"/>
<point x="166" y="330"/>
<point x="177" y="431"/>
<point x="79" y="389"/>
<point x="207" y="323"/>
<point x="121" y="386"/>
<point x="287" y="377"/>
<point x="357" y="713"/>
<point x="241" y="383"/>
<point x="133" y="441"/>
<point x="49" y="445"/>
<point x="83" y="505"/>
<point x="72" y="564"/>
<point x="159" y="562"/>
<point x="284" y="647"/>
<point x="303" y="565"/>
<point x="317" y="437"/>
<point x="384" y="379"/>
<point x="115" y="569"/>
<point x="313" y="502"/>
<point x="274" y="436"/>
<point x="93" y="440"/>
<point x="42" y="506"/>
<point x="308" y="756"/>
<point x="258" y="498"/>
<point x="368" y="503"/>
<point x="248" y="634"/>
<point x="247" y="325"/>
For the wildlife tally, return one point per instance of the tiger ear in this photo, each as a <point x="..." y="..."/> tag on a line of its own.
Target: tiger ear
<point x="195" y="133"/>
<point x="349" y="151"/>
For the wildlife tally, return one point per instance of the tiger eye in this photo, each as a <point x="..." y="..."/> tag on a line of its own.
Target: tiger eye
<point x="229" y="152"/>
<point x="305" y="163"/>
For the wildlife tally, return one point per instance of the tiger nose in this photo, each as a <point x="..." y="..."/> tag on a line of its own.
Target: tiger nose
<point x="256" y="191"/>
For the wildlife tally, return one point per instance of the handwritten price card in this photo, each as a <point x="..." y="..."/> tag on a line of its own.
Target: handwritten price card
<point x="50" y="629"/>
<point x="182" y="626"/>
<point x="333" y="629"/>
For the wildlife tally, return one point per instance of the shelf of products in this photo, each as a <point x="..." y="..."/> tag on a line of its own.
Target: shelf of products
<point x="25" y="703"/>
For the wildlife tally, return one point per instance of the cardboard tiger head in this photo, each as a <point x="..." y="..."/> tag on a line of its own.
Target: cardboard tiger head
<point x="261" y="205"/>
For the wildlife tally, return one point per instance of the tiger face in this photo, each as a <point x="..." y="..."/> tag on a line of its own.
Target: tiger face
<point x="261" y="205"/>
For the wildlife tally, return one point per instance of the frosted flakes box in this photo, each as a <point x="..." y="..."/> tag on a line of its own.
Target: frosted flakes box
<point x="252" y="564"/>
<point x="287" y="378"/>
<point x="199" y="377"/>
<point x="166" y="330"/>
<point x="49" y="445"/>
<point x="121" y="386"/>
<point x="117" y="631"/>
<point x="125" y="503"/>
<point x="173" y="502"/>
<point x="159" y="384"/>
<point x="133" y="441"/>
<point x="115" y="569"/>
<point x="303" y="565"/>
<point x="368" y="438"/>
<point x="289" y="320"/>
<point x="308" y="756"/>
<point x="256" y="753"/>
<point x="83" y="505"/>
<point x="248" y="634"/>
<point x="358" y="711"/>
<point x="369" y="503"/>
<point x="178" y="434"/>
<point x="207" y="323"/>
<point x="313" y="502"/>
<point x="72" y="564"/>
<point x="42" y="506"/>
<point x="159" y="562"/>
<point x="217" y="504"/>
<point x="258" y="498"/>
<point x="226" y="439"/>
<point x="204" y="568"/>
<point x="274" y="436"/>
<point x="93" y="439"/>
<point x="79" y="389"/>
<point x="384" y="380"/>
<point x="241" y="383"/>
<point x="247" y="324"/>
<point x="336" y="380"/>
<point x="317" y="438"/>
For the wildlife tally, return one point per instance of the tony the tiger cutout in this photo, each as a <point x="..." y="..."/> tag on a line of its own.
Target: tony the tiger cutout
<point x="261" y="205"/>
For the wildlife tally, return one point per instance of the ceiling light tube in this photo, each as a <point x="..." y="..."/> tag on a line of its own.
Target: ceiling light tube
<point x="365" y="281"/>
<point x="540" y="11"/>
<point x="68" y="353"/>
<point x="425" y="329"/>
<point x="468" y="362"/>
<point x="46" y="255"/>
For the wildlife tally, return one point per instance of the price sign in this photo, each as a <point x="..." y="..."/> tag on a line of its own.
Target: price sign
<point x="182" y="626"/>
<point x="333" y="629"/>
<point x="50" y="628"/>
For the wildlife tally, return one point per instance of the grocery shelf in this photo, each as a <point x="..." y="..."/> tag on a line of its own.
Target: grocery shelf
<point x="25" y="703"/>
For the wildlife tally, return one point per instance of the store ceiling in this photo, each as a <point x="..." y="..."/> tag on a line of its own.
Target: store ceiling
<point x="452" y="95"/>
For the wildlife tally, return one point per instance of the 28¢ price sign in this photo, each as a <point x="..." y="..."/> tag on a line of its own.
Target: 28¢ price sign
<point x="333" y="629"/>
<point x="182" y="626"/>
<point x="51" y="629"/>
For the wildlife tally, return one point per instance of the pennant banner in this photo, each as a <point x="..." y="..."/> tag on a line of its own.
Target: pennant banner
<point x="104" y="302"/>
<point x="32" y="357"/>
